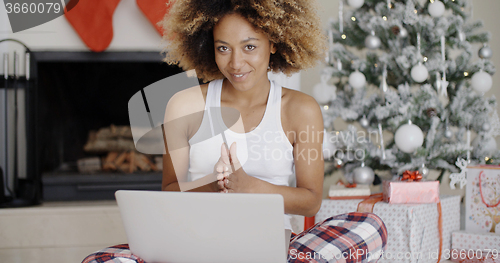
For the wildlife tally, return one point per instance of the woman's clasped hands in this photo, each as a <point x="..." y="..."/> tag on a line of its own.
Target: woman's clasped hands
<point x="229" y="180"/>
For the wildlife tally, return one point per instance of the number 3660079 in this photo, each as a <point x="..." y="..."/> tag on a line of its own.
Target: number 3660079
<point x="25" y="8"/>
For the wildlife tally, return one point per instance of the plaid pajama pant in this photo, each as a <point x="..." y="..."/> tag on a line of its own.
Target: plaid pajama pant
<point x="345" y="238"/>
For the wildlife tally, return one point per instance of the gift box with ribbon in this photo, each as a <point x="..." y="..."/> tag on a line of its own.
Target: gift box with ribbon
<point x="468" y="247"/>
<point x="348" y="191"/>
<point x="413" y="229"/>
<point x="411" y="190"/>
<point x="482" y="199"/>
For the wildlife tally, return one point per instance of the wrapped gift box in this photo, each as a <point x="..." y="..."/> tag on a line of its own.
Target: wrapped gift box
<point x="412" y="228"/>
<point x="475" y="247"/>
<point x="402" y="192"/>
<point x="482" y="201"/>
<point x="342" y="192"/>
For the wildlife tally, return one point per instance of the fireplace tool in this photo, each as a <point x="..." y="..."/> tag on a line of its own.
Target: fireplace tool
<point x="18" y="187"/>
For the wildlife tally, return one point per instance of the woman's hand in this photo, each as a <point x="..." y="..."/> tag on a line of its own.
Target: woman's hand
<point x="238" y="181"/>
<point x="222" y="168"/>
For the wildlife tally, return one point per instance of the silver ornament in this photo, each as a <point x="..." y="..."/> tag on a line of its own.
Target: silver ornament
<point x="403" y="33"/>
<point x="338" y="162"/>
<point x="486" y="126"/>
<point x="424" y="171"/>
<point x="363" y="175"/>
<point x="364" y="122"/>
<point x="372" y="41"/>
<point x="485" y="52"/>
<point x="448" y="133"/>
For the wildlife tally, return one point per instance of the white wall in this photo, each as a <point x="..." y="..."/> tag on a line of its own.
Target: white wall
<point x="132" y="31"/>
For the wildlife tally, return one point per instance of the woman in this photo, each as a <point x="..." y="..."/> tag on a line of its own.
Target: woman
<point x="278" y="132"/>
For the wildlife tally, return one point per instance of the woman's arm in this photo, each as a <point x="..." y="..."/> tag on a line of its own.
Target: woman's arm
<point x="302" y="119"/>
<point x="182" y="119"/>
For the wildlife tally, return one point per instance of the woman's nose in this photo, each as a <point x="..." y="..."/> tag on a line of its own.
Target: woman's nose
<point x="237" y="60"/>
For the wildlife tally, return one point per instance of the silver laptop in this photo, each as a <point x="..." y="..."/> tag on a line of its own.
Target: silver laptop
<point x="203" y="227"/>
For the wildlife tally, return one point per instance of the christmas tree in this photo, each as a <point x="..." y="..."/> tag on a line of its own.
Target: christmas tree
<point x="405" y="68"/>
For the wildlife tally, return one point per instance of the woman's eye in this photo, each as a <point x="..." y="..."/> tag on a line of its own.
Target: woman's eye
<point x="249" y="47"/>
<point x="222" y="48"/>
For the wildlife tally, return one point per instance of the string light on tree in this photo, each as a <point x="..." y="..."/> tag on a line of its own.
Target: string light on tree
<point x="436" y="8"/>
<point x="409" y="137"/>
<point x="357" y="80"/>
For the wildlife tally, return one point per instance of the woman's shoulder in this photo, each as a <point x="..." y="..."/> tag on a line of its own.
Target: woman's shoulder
<point x="187" y="101"/>
<point x="297" y="102"/>
<point x="299" y="109"/>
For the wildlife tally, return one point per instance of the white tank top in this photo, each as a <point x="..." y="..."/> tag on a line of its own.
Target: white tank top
<point x="265" y="152"/>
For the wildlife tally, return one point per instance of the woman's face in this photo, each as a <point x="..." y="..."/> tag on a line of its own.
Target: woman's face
<point x="241" y="53"/>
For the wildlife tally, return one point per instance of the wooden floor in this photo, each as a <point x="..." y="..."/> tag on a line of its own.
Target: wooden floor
<point x="59" y="232"/>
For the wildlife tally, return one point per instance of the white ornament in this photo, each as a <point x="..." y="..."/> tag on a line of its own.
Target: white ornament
<point x="461" y="36"/>
<point x="419" y="73"/>
<point x="372" y="41"/>
<point x="444" y="86"/>
<point x="438" y="82"/>
<point x="459" y="177"/>
<point x="448" y="133"/>
<point x="364" y="122"/>
<point x="356" y="3"/>
<point x="381" y="136"/>
<point x="383" y="84"/>
<point x="481" y="81"/>
<point x="436" y="9"/>
<point x="357" y="80"/>
<point x="363" y="175"/>
<point x="409" y="137"/>
<point x="324" y="93"/>
<point x="403" y="33"/>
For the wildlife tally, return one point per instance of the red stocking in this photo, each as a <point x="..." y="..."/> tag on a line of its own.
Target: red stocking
<point x="93" y="21"/>
<point x="155" y="10"/>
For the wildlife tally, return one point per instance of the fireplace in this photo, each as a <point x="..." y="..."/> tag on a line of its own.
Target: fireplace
<point x="76" y="93"/>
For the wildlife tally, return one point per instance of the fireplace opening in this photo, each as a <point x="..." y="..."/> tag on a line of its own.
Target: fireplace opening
<point x="79" y="95"/>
